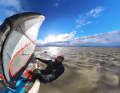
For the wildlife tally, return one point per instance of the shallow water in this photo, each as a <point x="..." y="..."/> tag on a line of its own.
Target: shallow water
<point x="87" y="70"/>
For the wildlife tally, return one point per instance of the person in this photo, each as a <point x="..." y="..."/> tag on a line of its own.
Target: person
<point x="53" y="70"/>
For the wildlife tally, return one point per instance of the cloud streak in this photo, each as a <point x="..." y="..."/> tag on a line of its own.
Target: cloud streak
<point x="58" y="38"/>
<point x="57" y="3"/>
<point x="110" y="38"/>
<point x="86" y="18"/>
<point x="82" y="21"/>
<point x="11" y="3"/>
<point x="95" y="12"/>
<point x="106" y="39"/>
<point x="10" y="7"/>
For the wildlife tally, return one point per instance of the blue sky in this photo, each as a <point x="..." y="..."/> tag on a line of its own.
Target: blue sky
<point x="68" y="21"/>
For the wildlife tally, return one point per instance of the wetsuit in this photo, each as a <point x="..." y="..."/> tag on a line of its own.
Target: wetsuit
<point x="52" y="72"/>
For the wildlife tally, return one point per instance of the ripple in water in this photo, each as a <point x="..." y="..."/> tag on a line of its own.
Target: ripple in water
<point x="87" y="70"/>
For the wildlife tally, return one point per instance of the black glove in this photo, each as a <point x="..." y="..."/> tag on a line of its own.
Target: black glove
<point x="36" y="74"/>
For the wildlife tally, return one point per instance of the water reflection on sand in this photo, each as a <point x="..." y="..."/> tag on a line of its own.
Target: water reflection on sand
<point x="87" y="70"/>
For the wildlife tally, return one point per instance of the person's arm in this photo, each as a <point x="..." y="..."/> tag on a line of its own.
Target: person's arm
<point x="42" y="60"/>
<point x="46" y="78"/>
<point x="52" y="76"/>
<point x="36" y="74"/>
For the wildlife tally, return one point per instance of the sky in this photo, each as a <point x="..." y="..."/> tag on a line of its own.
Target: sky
<point x="71" y="22"/>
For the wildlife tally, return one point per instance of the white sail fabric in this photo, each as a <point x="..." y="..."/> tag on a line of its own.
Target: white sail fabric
<point x="18" y="42"/>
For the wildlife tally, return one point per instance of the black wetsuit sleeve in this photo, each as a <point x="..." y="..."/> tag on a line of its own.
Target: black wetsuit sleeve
<point x="52" y="76"/>
<point x="44" y="61"/>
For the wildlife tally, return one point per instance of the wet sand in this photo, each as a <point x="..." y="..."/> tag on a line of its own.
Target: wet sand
<point x="87" y="70"/>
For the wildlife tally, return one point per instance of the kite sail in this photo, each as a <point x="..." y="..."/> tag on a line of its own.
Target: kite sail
<point x="18" y="35"/>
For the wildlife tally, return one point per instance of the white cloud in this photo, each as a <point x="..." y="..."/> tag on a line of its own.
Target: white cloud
<point x="57" y="3"/>
<point x="58" y="38"/>
<point x="86" y="18"/>
<point x="106" y="39"/>
<point x="10" y="7"/>
<point x="11" y="3"/>
<point x="68" y="39"/>
<point x="95" y="12"/>
<point x="81" y="31"/>
<point x="82" y="21"/>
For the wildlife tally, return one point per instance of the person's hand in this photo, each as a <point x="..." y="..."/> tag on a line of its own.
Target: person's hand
<point x="35" y="74"/>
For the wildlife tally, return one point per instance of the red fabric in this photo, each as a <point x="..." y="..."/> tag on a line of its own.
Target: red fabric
<point x="28" y="75"/>
<point x="1" y="90"/>
<point x="11" y="61"/>
<point x="2" y="77"/>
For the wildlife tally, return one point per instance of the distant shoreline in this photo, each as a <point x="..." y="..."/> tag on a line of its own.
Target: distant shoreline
<point x="85" y="46"/>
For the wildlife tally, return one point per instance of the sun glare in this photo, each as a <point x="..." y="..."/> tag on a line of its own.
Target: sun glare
<point x="53" y="51"/>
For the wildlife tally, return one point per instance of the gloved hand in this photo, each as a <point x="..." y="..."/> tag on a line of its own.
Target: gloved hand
<point x="36" y="74"/>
